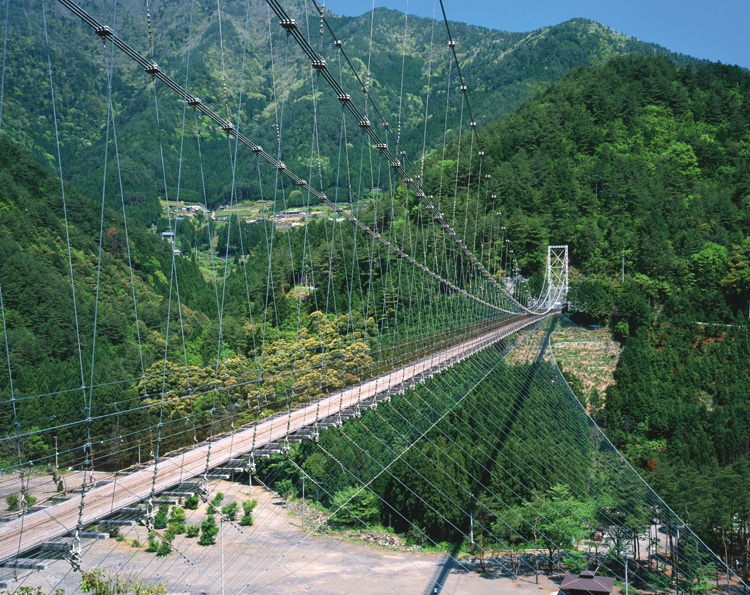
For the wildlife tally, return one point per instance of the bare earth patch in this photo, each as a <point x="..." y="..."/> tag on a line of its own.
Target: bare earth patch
<point x="276" y="555"/>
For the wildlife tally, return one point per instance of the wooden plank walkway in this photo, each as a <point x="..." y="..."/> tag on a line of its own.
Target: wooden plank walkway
<point x="30" y="531"/>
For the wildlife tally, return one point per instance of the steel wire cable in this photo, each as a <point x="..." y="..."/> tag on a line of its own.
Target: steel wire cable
<point x="489" y="416"/>
<point x="67" y="236"/>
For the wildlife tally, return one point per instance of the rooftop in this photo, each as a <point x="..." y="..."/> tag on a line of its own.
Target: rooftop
<point x="588" y="581"/>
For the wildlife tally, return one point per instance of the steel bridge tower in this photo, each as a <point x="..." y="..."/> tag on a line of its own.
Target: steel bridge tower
<point x="557" y="274"/>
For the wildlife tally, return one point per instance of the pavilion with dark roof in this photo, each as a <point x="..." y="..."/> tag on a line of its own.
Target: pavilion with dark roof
<point x="587" y="583"/>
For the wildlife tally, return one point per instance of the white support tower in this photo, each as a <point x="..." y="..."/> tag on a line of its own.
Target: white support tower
<point x="557" y="275"/>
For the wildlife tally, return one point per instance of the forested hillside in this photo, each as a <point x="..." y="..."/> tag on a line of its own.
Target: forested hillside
<point x="641" y="157"/>
<point x="650" y="160"/>
<point x="271" y="77"/>
<point x="638" y="158"/>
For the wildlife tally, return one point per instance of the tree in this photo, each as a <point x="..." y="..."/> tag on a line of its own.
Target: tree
<point x="247" y="508"/>
<point x="161" y="517"/>
<point x="209" y="530"/>
<point x="230" y="510"/>
<point x="355" y="505"/>
<point x="104" y="582"/>
<point x="560" y="519"/>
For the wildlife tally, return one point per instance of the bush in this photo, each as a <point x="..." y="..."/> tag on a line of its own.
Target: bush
<point x="30" y="500"/>
<point x="247" y="507"/>
<point x="230" y="510"/>
<point x="12" y="501"/>
<point x="177" y="520"/>
<point x="153" y="542"/>
<point x="161" y="518"/>
<point x="192" y="502"/>
<point x="285" y="488"/>
<point x="193" y="530"/>
<point x="164" y="549"/>
<point x="355" y="505"/>
<point x="98" y="581"/>
<point x="218" y="499"/>
<point x="209" y="530"/>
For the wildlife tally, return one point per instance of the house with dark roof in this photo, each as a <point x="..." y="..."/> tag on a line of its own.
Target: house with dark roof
<point x="586" y="583"/>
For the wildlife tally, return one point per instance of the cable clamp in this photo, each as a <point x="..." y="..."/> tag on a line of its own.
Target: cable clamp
<point x="153" y="69"/>
<point x="103" y="32"/>
<point x="288" y="24"/>
<point x="74" y="553"/>
<point x="203" y="488"/>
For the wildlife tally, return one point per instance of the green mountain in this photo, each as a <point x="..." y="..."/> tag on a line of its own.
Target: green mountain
<point x="501" y="70"/>
<point x="637" y="158"/>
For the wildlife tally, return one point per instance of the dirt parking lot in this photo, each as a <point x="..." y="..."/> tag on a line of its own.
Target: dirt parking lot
<point x="275" y="556"/>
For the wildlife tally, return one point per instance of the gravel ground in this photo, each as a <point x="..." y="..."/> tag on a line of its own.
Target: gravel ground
<point x="276" y="556"/>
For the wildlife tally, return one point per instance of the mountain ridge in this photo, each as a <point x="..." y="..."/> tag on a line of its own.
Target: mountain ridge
<point x="501" y="70"/>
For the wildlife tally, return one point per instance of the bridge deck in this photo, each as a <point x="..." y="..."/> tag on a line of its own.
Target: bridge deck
<point x="32" y="530"/>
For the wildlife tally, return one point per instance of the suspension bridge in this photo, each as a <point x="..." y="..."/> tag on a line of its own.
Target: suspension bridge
<point x="391" y="321"/>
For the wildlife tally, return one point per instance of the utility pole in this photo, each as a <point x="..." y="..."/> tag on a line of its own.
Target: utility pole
<point x="626" y="573"/>
<point x="623" y="265"/>
<point x="471" y="524"/>
<point x="303" y="502"/>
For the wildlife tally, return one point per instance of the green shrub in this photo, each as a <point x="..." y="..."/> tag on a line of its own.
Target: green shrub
<point x="209" y="530"/>
<point x="218" y="499"/>
<point x="247" y="507"/>
<point x="153" y="542"/>
<point x="164" y="549"/>
<point x="355" y="505"/>
<point x="285" y="488"/>
<point x="230" y="510"/>
<point x="193" y="530"/>
<point x="177" y="520"/>
<point x="192" y="502"/>
<point x="161" y="518"/>
<point x="12" y="501"/>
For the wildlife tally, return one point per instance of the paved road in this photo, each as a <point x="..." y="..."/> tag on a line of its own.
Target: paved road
<point x="30" y="531"/>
